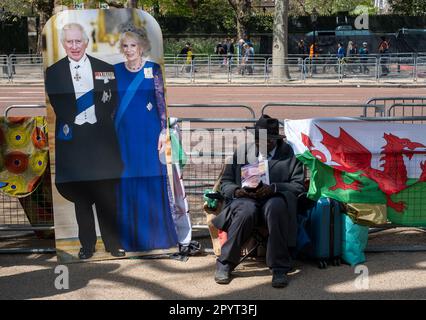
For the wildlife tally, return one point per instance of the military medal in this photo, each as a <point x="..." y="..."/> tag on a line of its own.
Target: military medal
<point x="77" y="76"/>
<point x="66" y="129"/>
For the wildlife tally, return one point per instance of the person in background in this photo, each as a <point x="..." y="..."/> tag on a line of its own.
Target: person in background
<point x="363" y="52"/>
<point x="229" y="50"/>
<point x="301" y="47"/>
<point x="187" y="57"/>
<point x="384" y="51"/>
<point x="240" y="48"/>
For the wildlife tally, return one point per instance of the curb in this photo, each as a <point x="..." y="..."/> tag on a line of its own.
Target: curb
<point x="219" y="84"/>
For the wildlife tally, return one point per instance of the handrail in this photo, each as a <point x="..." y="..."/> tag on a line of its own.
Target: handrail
<point x="313" y="104"/>
<point x="22" y="106"/>
<point x="396" y="99"/>
<point x="253" y="114"/>
<point x="218" y="120"/>
<point x="393" y="106"/>
<point x="402" y="118"/>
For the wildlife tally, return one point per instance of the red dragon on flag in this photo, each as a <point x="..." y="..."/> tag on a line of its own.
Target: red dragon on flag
<point x="351" y="156"/>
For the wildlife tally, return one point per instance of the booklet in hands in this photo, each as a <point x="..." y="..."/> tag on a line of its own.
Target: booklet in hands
<point x="254" y="175"/>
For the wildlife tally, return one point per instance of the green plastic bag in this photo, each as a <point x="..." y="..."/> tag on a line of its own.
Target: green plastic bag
<point x="178" y="154"/>
<point x="211" y="203"/>
<point x="354" y="241"/>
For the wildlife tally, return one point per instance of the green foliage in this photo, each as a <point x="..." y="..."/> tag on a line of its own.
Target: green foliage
<point x="17" y="8"/>
<point x="330" y="7"/>
<point x="261" y="23"/>
<point x="408" y="7"/>
<point x="199" y="45"/>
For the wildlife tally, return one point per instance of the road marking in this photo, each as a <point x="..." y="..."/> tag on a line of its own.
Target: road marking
<point x="271" y="100"/>
<point x="17" y="98"/>
<point x="283" y="94"/>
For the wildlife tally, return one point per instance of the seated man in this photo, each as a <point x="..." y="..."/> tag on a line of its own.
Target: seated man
<point x="273" y="205"/>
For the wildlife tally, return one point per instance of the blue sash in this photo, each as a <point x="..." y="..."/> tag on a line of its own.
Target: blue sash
<point x="128" y="96"/>
<point x="85" y="101"/>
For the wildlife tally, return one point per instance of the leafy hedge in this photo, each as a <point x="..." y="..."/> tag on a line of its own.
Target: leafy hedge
<point x="263" y="23"/>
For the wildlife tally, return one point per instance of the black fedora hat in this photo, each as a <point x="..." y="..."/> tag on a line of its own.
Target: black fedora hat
<point x="271" y="125"/>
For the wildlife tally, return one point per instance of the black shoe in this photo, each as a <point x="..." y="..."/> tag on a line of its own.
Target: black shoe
<point x="85" y="253"/>
<point x="279" y="279"/>
<point x="118" y="253"/>
<point x="223" y="273"/>
<point x="192" y="249"/>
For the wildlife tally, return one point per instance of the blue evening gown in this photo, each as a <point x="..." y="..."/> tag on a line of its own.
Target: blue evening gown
<point x="144" y="214"/>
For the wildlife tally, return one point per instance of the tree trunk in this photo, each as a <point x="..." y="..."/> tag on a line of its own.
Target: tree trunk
<point x="41" y="23"/>
<point x="132" y="3"/>
<point x="45" y="10"/>
<point x="280" y="41"/>
<point x="242" y="10"/>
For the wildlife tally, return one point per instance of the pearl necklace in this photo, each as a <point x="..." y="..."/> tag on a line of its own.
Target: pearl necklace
<point x="134" y="68"/>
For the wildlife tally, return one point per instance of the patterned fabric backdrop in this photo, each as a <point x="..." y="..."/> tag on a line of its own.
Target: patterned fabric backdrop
<point x="23" y="154"/>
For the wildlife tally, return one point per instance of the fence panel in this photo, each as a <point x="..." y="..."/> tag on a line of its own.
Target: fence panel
<point x="208" y="142"/>
<point x="322" y="68"/>
<point x="379" y="106"/>
<point x="26" y="67"/>
<point x="397" y="67"/>
<point x="421" y="68"/>
<point x="254" y="71"/>
<point x="288" y="69"/>
<point x="408" y="110"/>
<point x="300" y="110"/>
<point x="359" y="67"/>
<point x="4" y="67"/>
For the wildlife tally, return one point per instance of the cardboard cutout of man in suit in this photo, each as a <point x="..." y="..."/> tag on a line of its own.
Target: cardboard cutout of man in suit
<point x="82" y="91"/>
<point x="273" y="205"/>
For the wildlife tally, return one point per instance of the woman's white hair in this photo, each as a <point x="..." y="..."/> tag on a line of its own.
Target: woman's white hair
<point x="141" y="38"/>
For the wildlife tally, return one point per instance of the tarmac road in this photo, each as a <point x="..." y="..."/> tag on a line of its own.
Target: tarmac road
<point x="253" y="96"/>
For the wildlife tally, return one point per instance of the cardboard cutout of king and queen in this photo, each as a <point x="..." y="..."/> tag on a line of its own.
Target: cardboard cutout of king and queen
<point x="106" y="109"/>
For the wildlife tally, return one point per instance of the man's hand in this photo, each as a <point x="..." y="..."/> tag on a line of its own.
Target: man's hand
<point x="161" y="142"/>
<point x="241" y="193"/>
<point x="265" y="191"/>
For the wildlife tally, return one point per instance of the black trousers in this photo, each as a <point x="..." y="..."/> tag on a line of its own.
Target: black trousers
<point x="248" y="214"/>
<point x="103" y="195"/>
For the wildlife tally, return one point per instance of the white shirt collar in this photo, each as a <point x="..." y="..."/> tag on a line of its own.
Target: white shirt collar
<point x="81" y="62"/>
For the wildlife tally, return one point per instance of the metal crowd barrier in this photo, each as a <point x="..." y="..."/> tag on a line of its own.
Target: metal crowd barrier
<point x="205" y="165"/>
<point x="300" y="109"/>
<point x="4" y="67"/>
<point x="382" y="105"/>
<point x="203" y="169"/>
<point x="227" y="69"/>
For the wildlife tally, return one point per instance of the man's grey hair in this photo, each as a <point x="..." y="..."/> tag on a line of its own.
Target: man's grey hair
<point x="74" y="25"/>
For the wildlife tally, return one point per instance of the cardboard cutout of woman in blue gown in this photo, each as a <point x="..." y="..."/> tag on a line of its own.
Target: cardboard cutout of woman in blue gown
<point x="144" y="211"/>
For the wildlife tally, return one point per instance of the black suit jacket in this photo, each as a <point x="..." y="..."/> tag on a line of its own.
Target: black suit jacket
<point x="87" y="152"/>
<point x="285" y="171"/>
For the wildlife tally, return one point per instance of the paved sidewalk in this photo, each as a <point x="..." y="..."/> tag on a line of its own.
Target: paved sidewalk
<point x="393" y="275"/>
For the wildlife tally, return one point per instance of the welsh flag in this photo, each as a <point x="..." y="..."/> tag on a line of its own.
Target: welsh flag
<point x="357" y="161"/>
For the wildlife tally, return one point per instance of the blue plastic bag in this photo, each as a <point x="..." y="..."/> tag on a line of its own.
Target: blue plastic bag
<point x="354" y="241"/>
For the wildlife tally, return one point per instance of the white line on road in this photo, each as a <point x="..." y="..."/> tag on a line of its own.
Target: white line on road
<point x="26" y="92"/>
<point x="268" y="99"/>
<point x="282" y="94"/>
<point x="18" y="98"/>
